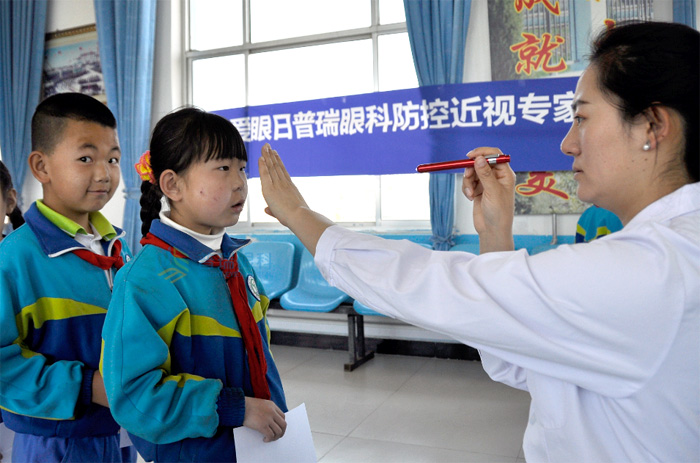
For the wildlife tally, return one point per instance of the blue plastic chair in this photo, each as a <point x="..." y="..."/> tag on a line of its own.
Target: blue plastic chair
<point x="542" y="248"/>
<point x="472" y="248"/>
<point x="273" y="262"/>
<point x="312" y="293"/>
<point x="363" y="309"/>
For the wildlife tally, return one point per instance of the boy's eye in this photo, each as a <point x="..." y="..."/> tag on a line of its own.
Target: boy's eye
<point x="114" y="161"/>
<point x="85" y="159"/>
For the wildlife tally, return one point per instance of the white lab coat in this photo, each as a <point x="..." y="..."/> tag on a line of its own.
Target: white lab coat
<point x="605" y="335"/>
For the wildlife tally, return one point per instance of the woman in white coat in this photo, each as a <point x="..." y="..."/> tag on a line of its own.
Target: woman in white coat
<point x="605" y="336"/>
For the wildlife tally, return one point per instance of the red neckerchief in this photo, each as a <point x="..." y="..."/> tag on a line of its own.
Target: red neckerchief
<point x="239" y="298"/>
<point x="103" y="262"/>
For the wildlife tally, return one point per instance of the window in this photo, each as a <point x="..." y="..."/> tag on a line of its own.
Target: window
<point x="257" y="52"/>
<point x="625" y="10"/>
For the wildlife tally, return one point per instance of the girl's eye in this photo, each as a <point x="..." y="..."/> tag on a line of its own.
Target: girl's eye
<point x="224" y="168"/>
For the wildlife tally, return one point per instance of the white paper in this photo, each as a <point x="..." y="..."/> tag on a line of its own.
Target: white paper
<point x="296" y="446"/>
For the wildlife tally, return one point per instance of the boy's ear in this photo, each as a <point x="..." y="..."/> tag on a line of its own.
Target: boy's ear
<point x="37" y="164"/>
<point x="170" y="184"/>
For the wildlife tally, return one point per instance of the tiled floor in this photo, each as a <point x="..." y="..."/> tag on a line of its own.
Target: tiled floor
<point x="403" y="409"/>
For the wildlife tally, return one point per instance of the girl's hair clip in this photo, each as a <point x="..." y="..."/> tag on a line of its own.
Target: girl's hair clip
<point x="144" y="169"/>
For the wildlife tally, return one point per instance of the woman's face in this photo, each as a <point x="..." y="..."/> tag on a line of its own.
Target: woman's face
<point x="609" y="161"/>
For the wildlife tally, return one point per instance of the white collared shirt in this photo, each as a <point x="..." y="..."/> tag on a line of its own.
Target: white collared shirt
<point x="604" y="335"/>
<point x="211" y="241"/>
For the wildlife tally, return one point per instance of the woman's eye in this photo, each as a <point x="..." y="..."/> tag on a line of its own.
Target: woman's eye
<point x="578" y="120"/>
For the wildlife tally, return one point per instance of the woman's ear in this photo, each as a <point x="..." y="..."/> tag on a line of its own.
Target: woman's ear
<point x="661" y="125"/>
<point x="171" y="185"/>
<point x="37" y="164"/>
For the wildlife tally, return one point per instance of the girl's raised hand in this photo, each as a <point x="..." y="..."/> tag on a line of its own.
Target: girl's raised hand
<point x="280" y="193"/>
<point x="286" y="204"/>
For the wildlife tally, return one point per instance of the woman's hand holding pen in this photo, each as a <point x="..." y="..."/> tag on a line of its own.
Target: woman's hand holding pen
<point x="286" y="204"/>
<point x="492" y="188"/>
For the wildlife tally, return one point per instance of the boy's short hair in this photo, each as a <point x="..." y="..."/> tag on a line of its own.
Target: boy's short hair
<point x="50" y="117"/>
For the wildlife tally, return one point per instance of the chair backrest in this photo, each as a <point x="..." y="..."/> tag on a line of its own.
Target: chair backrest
<point x="467" y="247"/>
<point x="273" y="262"/>
<point x="310" y="277"/>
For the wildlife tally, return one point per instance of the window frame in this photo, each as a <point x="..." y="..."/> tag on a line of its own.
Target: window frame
<point x="247" y="48"/>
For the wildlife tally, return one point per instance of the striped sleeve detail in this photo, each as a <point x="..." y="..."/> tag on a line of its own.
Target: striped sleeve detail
<point x="50" y="308"/>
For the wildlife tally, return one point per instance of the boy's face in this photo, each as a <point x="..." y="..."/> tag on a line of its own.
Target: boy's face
<point x="82" y="173"/>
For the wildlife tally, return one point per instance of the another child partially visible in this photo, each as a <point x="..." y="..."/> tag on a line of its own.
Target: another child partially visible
<point x="9" y="209"/>
<point x="56" y="276"/>
<point x="186" y="354"/>
<point x="596" y="222"/>
<point x="8" y="204"/>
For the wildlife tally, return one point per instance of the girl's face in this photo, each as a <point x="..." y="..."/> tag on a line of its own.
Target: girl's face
<point x="212" y="195"/>
<point x="609" y="162"/>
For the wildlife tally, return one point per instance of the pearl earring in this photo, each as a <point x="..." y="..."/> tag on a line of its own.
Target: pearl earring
<point x="646" y="146"/>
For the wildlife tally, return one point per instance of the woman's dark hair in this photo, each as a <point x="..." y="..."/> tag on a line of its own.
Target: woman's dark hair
<point x="653" y="63"/>
<point x="180" y="139"/>
<point x="16" y="218"/>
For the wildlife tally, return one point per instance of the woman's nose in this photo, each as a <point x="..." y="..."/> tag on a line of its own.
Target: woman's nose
<point x="569" y="145"/>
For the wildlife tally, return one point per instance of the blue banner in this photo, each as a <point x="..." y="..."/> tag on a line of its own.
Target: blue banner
<point x="392" y="132"/>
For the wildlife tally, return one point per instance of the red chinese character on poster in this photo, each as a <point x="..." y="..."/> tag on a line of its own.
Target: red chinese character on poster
<point x="519" y="4"/>
<point x="535" y="53"/>
<point x="539" y="182"/>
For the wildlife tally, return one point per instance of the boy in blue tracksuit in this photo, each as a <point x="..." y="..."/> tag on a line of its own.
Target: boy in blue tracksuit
<point x="56" y="275"/>
<point x="186" y="353"/>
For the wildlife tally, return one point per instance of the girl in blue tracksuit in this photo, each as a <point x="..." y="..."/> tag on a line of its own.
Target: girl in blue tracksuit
<point x="186" y="355"/>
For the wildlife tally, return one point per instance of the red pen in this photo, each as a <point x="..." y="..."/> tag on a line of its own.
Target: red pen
<point x="447" y="165"/>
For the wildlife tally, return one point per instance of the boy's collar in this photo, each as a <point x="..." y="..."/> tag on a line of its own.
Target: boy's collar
<point x="192" y="248"/>
<point x="97" y="220"/>
<point x="53" y="240"/>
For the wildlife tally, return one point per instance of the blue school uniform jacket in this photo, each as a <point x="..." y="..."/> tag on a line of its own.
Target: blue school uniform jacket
<point x="174" y="363"/>
<point x="52" y="307"/>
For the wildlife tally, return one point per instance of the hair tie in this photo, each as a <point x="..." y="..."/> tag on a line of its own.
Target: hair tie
<point x="144" y="169"/>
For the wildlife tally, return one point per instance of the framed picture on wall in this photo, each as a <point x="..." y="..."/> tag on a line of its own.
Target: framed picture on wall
<point x="72" y="63"/>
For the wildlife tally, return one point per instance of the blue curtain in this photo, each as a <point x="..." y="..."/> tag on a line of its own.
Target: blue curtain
<point x="437" y="30"/>
<point x="126" y="36"/>
<point x="684" y="12"/>
<point x="22" y="29"/>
